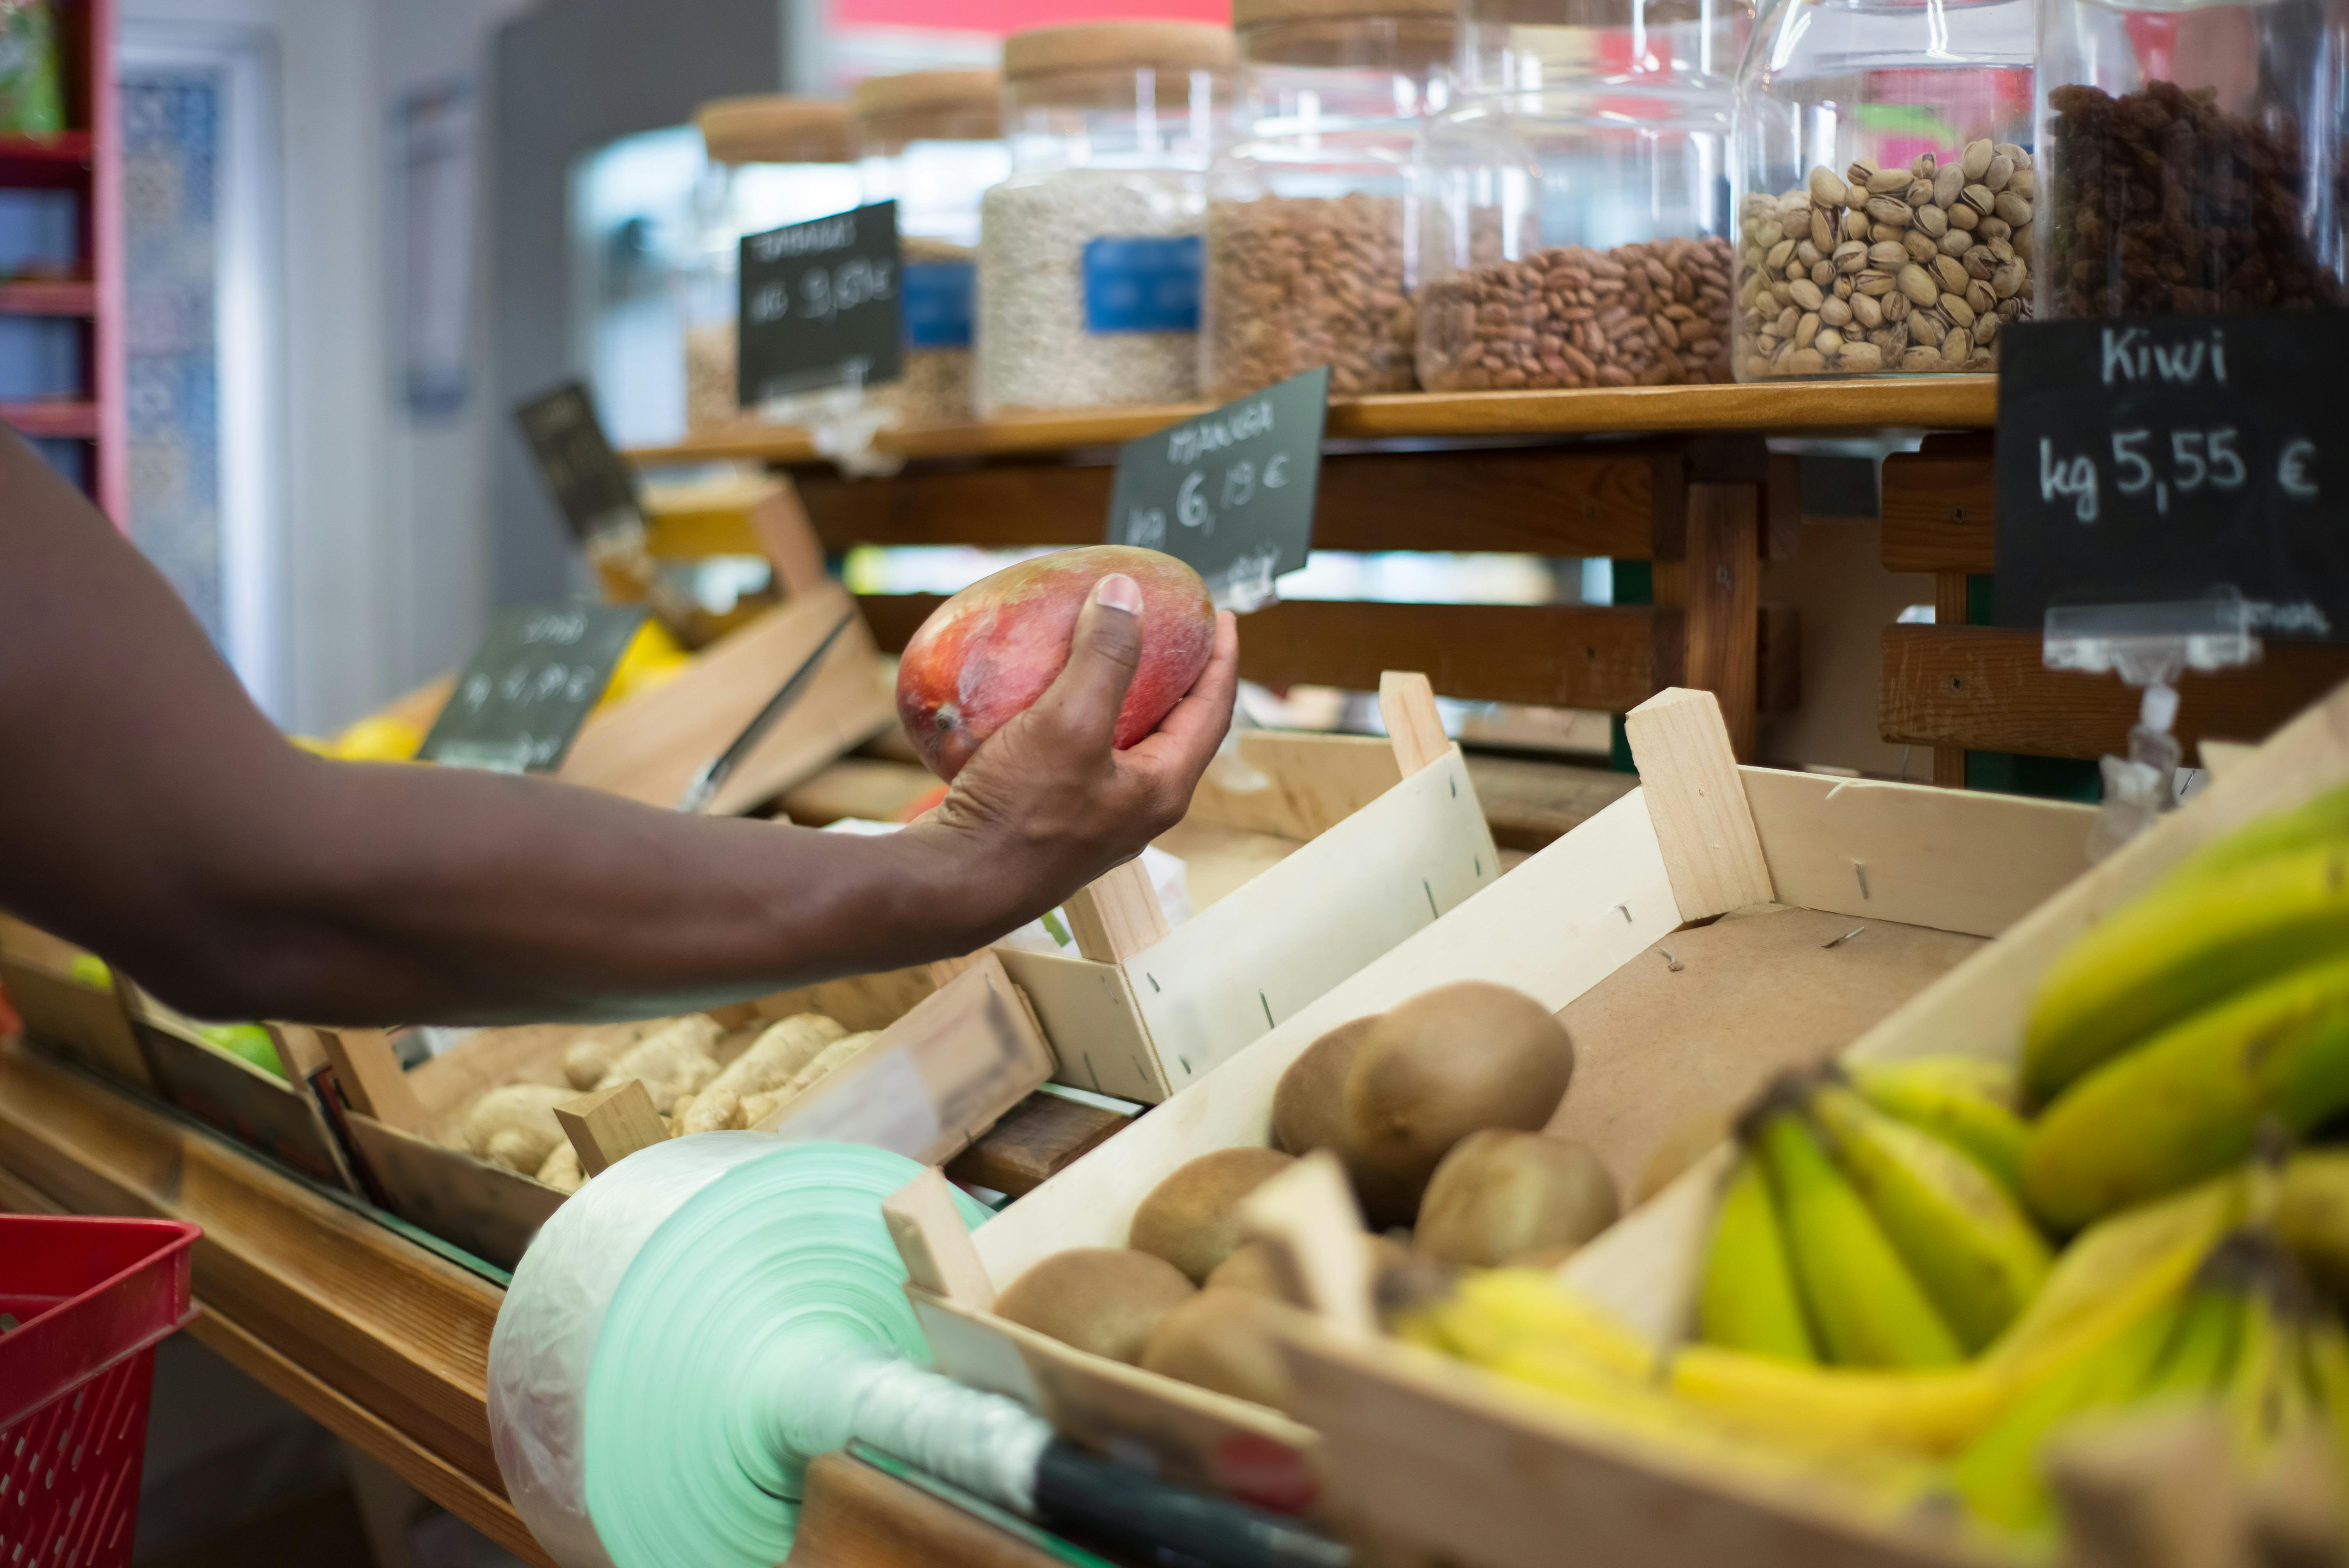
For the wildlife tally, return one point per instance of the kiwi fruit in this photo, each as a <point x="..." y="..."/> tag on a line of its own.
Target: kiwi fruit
<point x="1107" y="1300"/>
<point x="1503" y="1196"/>
<point x="1309" y="1104"/>
<point x="1222" y="1340"/>
<point x="1190" y="1219"/>
<point x="1449" y="1062"/>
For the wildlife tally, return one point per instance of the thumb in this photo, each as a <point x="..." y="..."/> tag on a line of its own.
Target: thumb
<point x="1090" y="688"/>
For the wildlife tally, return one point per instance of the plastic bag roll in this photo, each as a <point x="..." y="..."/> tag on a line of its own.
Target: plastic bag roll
<point x="664" y="1332"/>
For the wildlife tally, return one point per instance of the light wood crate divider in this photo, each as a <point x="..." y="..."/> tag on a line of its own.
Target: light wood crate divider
<point x="1840" y="899"/>
<point x="1372" y="839"/>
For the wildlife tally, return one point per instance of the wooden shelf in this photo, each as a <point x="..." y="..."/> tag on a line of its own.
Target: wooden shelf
<point x="59" y="419"/>
<point x="48" y="299"/>
<point x="1923" y="402"/>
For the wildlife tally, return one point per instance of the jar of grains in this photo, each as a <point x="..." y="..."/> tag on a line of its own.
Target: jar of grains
<point x="1310" y="232"/>
<point x="2193" y="156"/>
<point x="1088" y="255"/>
<point x="1575" y="198"/>
<point x="1881" y="227"/>
<point x="772" y="160"/>
<point x="932" y="142"/>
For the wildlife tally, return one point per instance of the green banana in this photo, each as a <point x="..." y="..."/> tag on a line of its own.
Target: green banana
<point x="2188" y="1102"/>
<point x="1750" y="1301"/>
<point x="2120" y="1266"/>
<point x="1964" y="1239"/>
<point x="2312" y="1214"/>
<point x="1963" y="1100"/>
<point x="2271" y="1395"/>
<point x="2316" y="822"/>
<point x="1998" y="1474"/>
<point x="1868" y="1308"/>
<point x="2201" y="1354"/>
<point x="2177" y="949"/>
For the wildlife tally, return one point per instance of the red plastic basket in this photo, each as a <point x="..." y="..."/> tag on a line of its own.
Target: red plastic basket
<point x="91" y="1298"/>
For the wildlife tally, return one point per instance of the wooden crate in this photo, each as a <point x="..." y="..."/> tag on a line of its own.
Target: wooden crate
<point x="84" y="1020"/>
<point x="1415" y="1445"/>
<point x="1309" y="856"/>
<point x="1884" y="886"/>
<point x="954" y="1054"/>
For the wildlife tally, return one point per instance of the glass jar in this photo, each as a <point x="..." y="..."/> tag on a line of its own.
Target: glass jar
<point x="1088" y="254"/>
<point x="772" y="160"/>
<point x="1311" y="233"/>
<point x="932" y="141"/>
<point x="2194" y="156"/>
<point x="1876" y="145"/>
<point x="1576" y="214"/>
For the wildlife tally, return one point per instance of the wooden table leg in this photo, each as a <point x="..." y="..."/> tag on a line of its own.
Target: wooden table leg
<point x="1716" y="584"/>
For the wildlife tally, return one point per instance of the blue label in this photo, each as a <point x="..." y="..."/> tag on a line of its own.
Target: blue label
<point x="937" y="304"/>
<point x="1143" y="284"/>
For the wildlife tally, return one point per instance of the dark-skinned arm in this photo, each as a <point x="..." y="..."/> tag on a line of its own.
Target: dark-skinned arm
<point x="151" y="813"/>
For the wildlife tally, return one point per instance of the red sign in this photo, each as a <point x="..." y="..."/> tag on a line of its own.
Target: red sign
<point x="1001" y="16"/>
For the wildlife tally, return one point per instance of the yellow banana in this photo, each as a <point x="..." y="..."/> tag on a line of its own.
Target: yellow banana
<point x="1749" y="1300"/>
<point x="2116" y="1268"/>
<point x="2187" y="1102"/>
<point x="1488" y="1312"/>
<point x="2312" y="1214"/>
<point x="1966" y="1241"/>
<point x="1999" y="1476"/>
<point x="1963" y="1100"/>
<point x="1934" y="1411"/>
<point x="2180" y="949"/>
<point x="1868" y="1308"/>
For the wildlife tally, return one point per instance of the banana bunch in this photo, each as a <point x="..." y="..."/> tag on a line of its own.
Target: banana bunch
<point x="1869" y="1225"/>
<point x="2162" y="1038"/>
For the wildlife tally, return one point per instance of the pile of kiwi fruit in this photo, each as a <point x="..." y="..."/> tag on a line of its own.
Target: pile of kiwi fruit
<point x="1435" y="1109"/>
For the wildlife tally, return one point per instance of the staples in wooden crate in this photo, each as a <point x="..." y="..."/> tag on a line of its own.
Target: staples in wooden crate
<point x="1592" y="927"/>
<point x="474" y="1146"/>
<point x="1307" y="857"/>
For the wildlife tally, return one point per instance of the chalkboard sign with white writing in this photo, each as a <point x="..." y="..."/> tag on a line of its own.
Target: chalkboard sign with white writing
<point x="821" y="305"/>
<point x="591" y="484"/>
<point x="1230" y="492"/>
<point x="2154" y="460"/>
<point x="523" y="695"/>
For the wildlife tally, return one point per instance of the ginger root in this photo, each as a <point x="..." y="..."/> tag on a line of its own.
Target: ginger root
<point x="590" y="1056"/>
<point x="769" y="1065"/>
<point x="756" y="1109"/>
<point x="514" y="1126"/>
<point x="561" y="1170"/>
<point x="675" y="1061"/>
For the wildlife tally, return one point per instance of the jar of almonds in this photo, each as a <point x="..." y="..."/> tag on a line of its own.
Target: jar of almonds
<point x="1310" y="217"/>
<point x="1885" y="202"/>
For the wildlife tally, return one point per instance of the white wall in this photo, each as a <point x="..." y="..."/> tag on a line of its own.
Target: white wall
<point x="387" y="532"/>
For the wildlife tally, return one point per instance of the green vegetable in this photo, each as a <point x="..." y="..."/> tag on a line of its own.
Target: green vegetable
<point x="249" y="1042"/>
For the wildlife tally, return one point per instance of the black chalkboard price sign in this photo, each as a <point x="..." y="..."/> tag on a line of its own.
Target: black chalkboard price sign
<point x="1230" y="492"/>
<point x="2156" y="460"/>
<point x="593" y="488"/>
<point x="821" y="305"/>
<point x="524" y="694"/>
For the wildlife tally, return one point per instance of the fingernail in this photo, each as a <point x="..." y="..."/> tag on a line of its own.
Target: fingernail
<point x="1119" y="591"/>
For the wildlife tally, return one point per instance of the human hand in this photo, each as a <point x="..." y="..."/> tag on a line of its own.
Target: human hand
<point x="1047" y="803"/>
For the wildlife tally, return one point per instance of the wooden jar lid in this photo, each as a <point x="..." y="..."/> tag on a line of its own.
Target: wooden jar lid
<point x="772" y="129"/>
<point x="929" y="92"/>
<point x="1119" y="45"/>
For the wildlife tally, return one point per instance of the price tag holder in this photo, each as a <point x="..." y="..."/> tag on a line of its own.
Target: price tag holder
<point x="527" y="689"/>
<point x="2156" y="460"/>
<point x="1229" y="492"/>
<point x="594" y="489"/>
<point x="821" y="303"/>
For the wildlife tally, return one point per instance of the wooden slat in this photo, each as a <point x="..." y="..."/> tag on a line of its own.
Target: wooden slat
<point x="51" y="418"/>
<point x="1949" y="610"/>
<point x="1923" y="402"/>
<point x="1941" y="506"/>
<point x="1041" y="1135"/>
<point x="1715" y="581"/>
<point x="1559" y="656"/>
<point x="1515" y="501"/>
<point x="393" y="1328"/>
<point x="857" y="1517"/>
<point x="1985" y="687"/>
<point x="48" y="299"/>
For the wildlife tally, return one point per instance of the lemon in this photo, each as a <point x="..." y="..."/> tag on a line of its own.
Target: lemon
<point x="652" y="656"/>
<point x="379" y="738"/>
